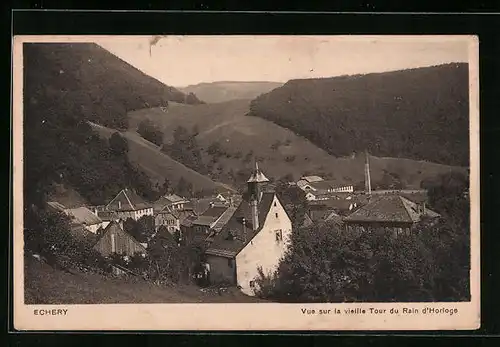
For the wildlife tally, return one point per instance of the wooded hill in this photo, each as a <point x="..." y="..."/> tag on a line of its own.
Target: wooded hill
<point x="229" y="90"/>
<point x="66" y="85"/>
<point x="419" y="113"/>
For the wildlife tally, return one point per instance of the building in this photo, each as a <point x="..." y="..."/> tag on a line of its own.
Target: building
<point x="318" y="216"/>
<point x="316" y="188"/>
<point x="127" y="204"/>
<point x="85" y="217"/>
<point x="172" y="201"/>
<point x="255" y="237"/>
<point x="171" y="219"/>
<point x="391" y="213"/>
<point x="115" y="240"/>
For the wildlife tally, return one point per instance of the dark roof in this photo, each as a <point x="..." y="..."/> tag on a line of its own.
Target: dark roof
<point x="332" y="204"/>
<point x="127" y="200"/>
<point x="223" y="245"/>
<point x="390" y="208"/>
<point x="188" y="221"/>
<point x="200" y="206"/>
<point x="210" y="216"/>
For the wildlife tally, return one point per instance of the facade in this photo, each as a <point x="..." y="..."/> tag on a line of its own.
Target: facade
<point x="127" y="204"/>
<point x="255" y="237"/>
<point x="390" y="213"/>
<point x="115" y="240"/>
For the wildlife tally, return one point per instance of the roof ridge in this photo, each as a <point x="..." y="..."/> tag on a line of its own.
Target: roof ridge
<point x="405" y="207"/>
<point x="130" y="202"/>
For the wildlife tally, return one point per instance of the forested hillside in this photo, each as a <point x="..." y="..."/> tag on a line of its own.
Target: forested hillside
<point x="65" y="85"/>
<point x="95" y="83"/>
<point x="419" y="114"/>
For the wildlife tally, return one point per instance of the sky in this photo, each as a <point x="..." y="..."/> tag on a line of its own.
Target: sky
<point x="184" y="60"/>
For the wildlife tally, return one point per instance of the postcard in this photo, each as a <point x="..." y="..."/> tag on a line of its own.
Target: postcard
<point x="249" y="183"/>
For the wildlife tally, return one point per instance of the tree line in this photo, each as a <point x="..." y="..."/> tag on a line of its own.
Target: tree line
<point x="419" y="114"/>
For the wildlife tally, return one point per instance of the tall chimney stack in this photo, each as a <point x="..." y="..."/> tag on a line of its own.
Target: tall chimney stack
<point x="368" y="184"/>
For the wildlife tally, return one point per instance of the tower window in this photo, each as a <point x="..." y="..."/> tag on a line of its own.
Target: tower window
<point x="279" y="236"/>
<point x="276" y="215"/>
<point x="275" y="204"/>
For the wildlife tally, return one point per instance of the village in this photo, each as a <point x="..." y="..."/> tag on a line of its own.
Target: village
<point x="242" y="235"/>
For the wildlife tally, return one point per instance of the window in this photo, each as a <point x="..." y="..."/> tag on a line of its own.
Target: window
<point x="252" y="284"/>
<point x="275" y="204"/>
<point x="230" y="263"/>
<point x="276" y="214"/>
<point x="279" y="236"/>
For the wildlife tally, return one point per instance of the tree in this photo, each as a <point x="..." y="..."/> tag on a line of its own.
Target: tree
<point x="165" y="188"/>
<point x="149" y="131"/>
<point x="118" y="144"/>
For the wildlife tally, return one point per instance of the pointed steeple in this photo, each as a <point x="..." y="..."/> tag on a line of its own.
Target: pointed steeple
<point x="257" y="175"/>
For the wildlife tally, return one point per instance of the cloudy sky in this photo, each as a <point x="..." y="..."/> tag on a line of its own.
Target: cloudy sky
<point x="184" y="60"/>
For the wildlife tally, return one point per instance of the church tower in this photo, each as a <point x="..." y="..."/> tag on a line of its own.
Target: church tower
<point x="254" y="184"/>
<point x="368" y="184"/>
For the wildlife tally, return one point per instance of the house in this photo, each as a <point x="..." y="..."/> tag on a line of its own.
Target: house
<point x="172" y="201"/>
<point x="86" y="217"/>
<point x="207" y="220"/>
<point x="171" y="219"/>
<point x="127" y="204"/>
<point x="115" y="240"/>
<point x="392" y="213"/>
<point x="199" y="206"/>
<point x="255" y="237"/>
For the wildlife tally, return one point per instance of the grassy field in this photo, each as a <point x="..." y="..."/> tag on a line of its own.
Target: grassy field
<point x="45" y="285"/>
<point x="239" y="134"/>
<point x="156" y="164"/>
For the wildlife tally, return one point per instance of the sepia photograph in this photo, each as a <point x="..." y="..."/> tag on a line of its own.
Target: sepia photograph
<point x="222" y="182"/>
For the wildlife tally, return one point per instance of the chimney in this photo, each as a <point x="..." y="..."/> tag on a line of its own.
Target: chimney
<point x="255" y="214"/>
<point x="368" y="185"/>
<point x="119" y="204"/>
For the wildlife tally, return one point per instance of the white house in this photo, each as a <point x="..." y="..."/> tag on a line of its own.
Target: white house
<point x="256" y="236"/>
<point x="127" y="204"/>
<point x="172" y="201"/>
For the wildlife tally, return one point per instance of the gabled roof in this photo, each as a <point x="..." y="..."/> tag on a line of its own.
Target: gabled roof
<point x="168" y="200"/>
<point x="210" y="216"/>
<point x="56" y="206"/>
<point x="390" y="208"/>
<point x="223" y="244"/>
<point x="127" y="200"/>
<point x="312" y="178"/>
<point x="114" y="226"/>
<point x="83" y="215"/>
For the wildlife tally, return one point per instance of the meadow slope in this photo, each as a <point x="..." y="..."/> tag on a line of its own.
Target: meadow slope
<point x="158" y="165"/>
<point x="240" y="135"/>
